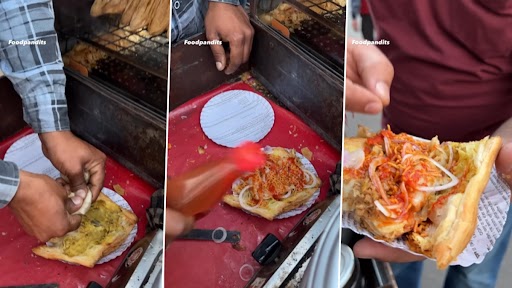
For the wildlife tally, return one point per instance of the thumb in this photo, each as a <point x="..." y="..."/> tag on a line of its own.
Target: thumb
<point x="220" y="56"/>
<point x="375" y="71"/>
<point x="74" y="221"/>
<point x="504" y="162"/>
<point x="359" y="99"/>
<point x="75" y="202"/>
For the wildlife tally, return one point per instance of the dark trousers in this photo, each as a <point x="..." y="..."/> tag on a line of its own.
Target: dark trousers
<point x="367" y="27"/>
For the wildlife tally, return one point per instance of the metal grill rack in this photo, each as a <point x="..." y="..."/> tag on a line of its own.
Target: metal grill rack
<point x="141" y="85"/>
<point x="322" y="39"/>
<point x="149" y="53"/>
<point x="327" y="12"/>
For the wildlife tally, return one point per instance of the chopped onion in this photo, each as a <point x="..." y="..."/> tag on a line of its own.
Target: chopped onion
<point x="246" y="267"/>
<point x="454" y="180"/>
<point x="312" y="176"/>
<point x="417" y="199"/>
<point x="451" y="155"/>
<point x="222" y="238"/>
<point x="241" y="199"/>
<point x="386" y="146"/>
<point x="393" y="206"/>
<point x="381" y="208"/>
<point x="404" y="152"/>
<point x="406" y="197"/>
<point x="375" y="178"/>
<point x="353" y="159"/>
<point x="405" y="157"/>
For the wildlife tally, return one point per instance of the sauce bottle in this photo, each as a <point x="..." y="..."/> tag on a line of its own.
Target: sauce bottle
<point x="195" y="192"/>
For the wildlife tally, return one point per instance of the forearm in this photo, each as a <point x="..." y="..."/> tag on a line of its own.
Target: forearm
<point x="9" y="181"/>
<point x="36" y="70"/>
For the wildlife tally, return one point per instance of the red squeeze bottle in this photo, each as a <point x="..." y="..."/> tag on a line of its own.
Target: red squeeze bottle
<point x="197" y="191"/>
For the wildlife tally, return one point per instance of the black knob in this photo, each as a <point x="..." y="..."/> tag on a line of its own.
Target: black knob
<point x="267" y="250"/>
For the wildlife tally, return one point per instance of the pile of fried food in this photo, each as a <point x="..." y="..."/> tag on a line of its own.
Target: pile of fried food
<point x="292" y="17"/>
<point x="84" y="55"/>
<point x="153" y="15"/>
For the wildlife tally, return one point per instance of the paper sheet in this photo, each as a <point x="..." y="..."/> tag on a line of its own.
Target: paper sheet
<point x="237" y="116"/>
<point x="492" y="214"/>
<point x="28" y="155"/>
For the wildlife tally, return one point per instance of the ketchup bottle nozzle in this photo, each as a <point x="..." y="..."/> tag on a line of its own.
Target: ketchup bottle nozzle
<point x="249" y="156"/>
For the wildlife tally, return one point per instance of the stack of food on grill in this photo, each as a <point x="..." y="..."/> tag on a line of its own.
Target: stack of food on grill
<point x="152" y="15"/>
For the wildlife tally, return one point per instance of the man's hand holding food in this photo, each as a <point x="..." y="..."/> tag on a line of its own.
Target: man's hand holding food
<point x="41" y="204"/>
<point x="369" y="77"/>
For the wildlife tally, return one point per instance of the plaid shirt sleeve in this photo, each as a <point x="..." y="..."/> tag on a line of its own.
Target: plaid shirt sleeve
<point x="36" y="72"/>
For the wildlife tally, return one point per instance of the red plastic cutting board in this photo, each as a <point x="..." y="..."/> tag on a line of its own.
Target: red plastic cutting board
<point x="191" y="264"/>
<point x="19" y="266"/>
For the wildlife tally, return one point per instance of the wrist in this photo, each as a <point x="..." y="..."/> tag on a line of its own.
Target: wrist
<point x="48" y="137"/>
<point x="24" y="184"/>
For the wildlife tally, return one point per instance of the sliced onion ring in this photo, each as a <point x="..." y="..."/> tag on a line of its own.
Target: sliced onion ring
<point x="241" y="199"/>
<point x="454" y="180"/>
<point x="306" y="175"/>
<point x="312" y="176"/>
<point x="246" y="267"/>
<point x="288" y="194"/>
<point x="222" y="238"/>
<point x="243" y="190"/>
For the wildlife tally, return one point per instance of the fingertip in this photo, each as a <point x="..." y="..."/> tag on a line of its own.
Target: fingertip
<point x="382" y="90"/>
<point x="219" y="66"/>
<point x="373" y="108"/>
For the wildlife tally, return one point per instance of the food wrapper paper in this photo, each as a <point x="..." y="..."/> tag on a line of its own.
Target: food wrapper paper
<point x="492" y="214"/>
<point x="236" y="116"/>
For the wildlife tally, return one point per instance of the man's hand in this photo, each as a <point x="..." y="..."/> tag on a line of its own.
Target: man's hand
<point x="176" y="224"/>
<point x="369" y="76"/>
<point x="504" y="159"/>
<point x="229" y="23"/>
<point x="366" y="248"/>
<point x="43" y="208"/>
<point x="72" y="157"/>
